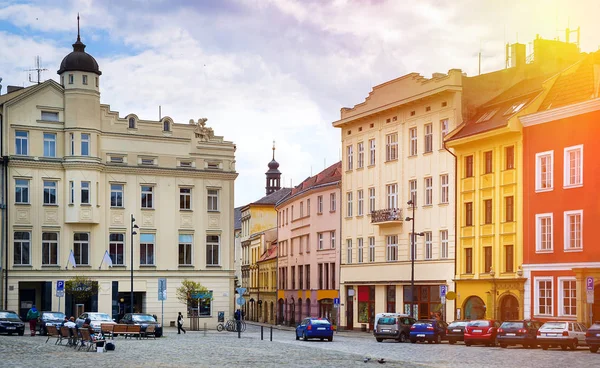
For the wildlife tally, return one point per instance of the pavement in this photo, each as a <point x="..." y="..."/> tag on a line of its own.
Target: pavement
<point x="225" y="349"/>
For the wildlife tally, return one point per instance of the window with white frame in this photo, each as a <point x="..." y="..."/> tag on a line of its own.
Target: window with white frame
<point x="85" y="192"/>
<point x="443" y="244"/>
<point x="21" y="143"/>
<point x="49" y="145"/>
<point x="185" y="249"/>
<point x="371" y="200"/>
<point x="71" y="192"/>
<point x="392" y="195"/>
<point x="49" y="116"/>
<point x="371" y="249"/>
<point x="21" y="191"/>
<point x="308" y="207"/>
<point x="301" y="209"/>
<point x="349" y="251"/>
<point x="567" y="300"/>
<point x="543" y="293"/>
<point x="573" y="164"/>
<point x="50" y="192"/>
<point x="445" y="188"/>
<point x="428" y="245"/>
<point x="543" y="234"/>
<point x="212" y="250"/>
<point x="85" y="144"/>
<point x="116" y="248"/>
<point x="320" y="240"/>
<point x="147" y="196"/>
<point x="81" y="248"/>
<point x="544" y="170"/>
<point x="22" y="248"/>
<point x="116" y="195"/>
<point x="320" y="204"/>
<point x="72" y="143"/>
<point x="185" y="198"/>
<point x="349" y="157"/>
<point x="360" y="199"/>
<point x="391" y="147"/>
<point x="71" y="77"/>
<point x="428" y="191"/>
<point x="443" y="131"/>
<point x="412" y="133"/>
<point x="391" y="248"/>
<point x="147" y="247"/>
<point x="573" y="230"/>
<point x="413" y="192"/>
<point x="49" y="249"/>
<point x="213" y="200"/>
<point x="360" y="250"/>
<point x="371" y="152"/>
<point x="332" y="238"/>
<point x="349" y="204"/>
<point x="332" y="202"/>
<point x="428" y="138"/>
<point x="361" y="155"/>
<point x="84" y="79"/>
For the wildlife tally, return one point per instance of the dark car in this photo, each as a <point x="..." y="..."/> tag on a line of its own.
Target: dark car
<point x="314" y="328"/>
<point x="592" y="337"/>
<point x="430" y="330"/>
<point x="482" y="331"/>
<point x="10" y="323"/>
<point x="456" y="331"/>
<point x="518" y="333"/>
<point x="396" y="327"/>
<point x="49" y="319"/>
<point x="143" y="320"/>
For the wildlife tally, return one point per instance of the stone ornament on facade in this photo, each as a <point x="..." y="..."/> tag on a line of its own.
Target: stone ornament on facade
<point x="205" y="134"/>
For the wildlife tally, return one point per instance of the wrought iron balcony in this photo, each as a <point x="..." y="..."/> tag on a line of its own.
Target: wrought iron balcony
<point x="385" y="216"/>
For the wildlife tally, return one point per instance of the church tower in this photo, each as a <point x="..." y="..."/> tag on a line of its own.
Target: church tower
<point x="273" y="175"/>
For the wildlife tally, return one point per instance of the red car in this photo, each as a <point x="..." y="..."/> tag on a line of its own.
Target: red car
<point x="483" y="331"/>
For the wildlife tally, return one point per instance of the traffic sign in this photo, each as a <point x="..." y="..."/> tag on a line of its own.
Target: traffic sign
<point x="589" y="283"/>
<point x="336" y="302"/>
<point x="207" y="295"/>
<point x="241" y="300"/>
<point x="60" y="285"/>
<point x="60" y="293"/>
<point x="443" y="290"/>
<point x="450" y="295"/>
<point x="162" y="289"/>
<point x="241" y="290"/>
<point x="590" y="297"/>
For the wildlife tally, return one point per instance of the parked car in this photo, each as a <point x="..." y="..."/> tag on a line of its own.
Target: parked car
<point x="392" y="326"/>
<point x="430" y="330"/>
<point x="566" y="334"/>
<point x="592" y="337"/>
<point x="96" y="318"/>
<point x="482" y="331"/>
<point x="49" y="319"/>
<point x="311" y="328"/>
<point x="456" y="331"/>
<point x="10" y="323"/>
<point x="518" y="333"/>
<point x="143" y="320"/>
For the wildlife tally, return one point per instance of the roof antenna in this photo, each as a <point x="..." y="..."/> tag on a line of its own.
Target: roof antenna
<point x="38" y="68"/>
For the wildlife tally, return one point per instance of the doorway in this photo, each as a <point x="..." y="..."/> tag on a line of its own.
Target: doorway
<point x="350" y="308"/>
<point x="509" y="308"/>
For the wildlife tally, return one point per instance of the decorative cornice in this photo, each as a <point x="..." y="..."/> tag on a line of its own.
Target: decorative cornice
<point x="558" y="113"/>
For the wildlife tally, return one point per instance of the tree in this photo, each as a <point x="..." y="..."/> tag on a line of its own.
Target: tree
<point x="187" y="289"/>
<point x="81" y="288"/>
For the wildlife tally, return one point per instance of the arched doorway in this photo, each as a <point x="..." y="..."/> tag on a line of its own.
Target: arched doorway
<point x="266" y="316"/>
<point x="474" y="308"/>
<point x="280" y="314"/>
<point x="509" y="308"/>
<point x="272" y="314"/>
<point x="308" y="314"/>
<point x="292" y="313"/>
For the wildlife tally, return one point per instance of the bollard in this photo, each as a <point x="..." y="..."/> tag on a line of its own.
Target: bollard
<point x="271" y="337"/>
<point x="261" y="333"/>
<point x="204" y="329"/>
<point x="239" y="329"/>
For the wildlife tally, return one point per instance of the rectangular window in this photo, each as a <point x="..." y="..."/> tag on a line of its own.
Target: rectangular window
<point x="320" y="240"/>
<point x="371" y="249"/>
<point x="349" y="157"/>
<point x="349" y="251"/>
<point x="413" y="141"/>
<point x="488" y="211"/>
<point x="544" y="171"/>
<point x="487" y="254"/>
<point x="489" y="162"/>
<point x="332" y="273"/>
<point x="332" y="202"/>
<point x="22" y="248"/>
<point x="21" y="143"/>
<point x="392" y="196"/>
<point x="307" y="277"/>
<point x="573" y="163"/>
<point x="212" y="250"/>
<point x="320" y="204"/>
<point x="469" y="214"/>
<point x="391" y="147"/>
<point x="301" y="277"/>
<point x="443" y="131"/>
<point x="544" y="297"/>
<point x="116" y="195"/>
<point x="371" y="200"/>
<point x="509" y="154"/>
<point x="49" y="116"/>
<point x="428" y="138"/>
<point x="71" y="78"/>
<point x="81" y="248"/>
<point x="84" y="79"/>
<point x="293" y="269"/>
<point x="413" y="192"/>
<point x="371" y="152"/>
<point x="428" y="191"/>
<point x="360" y="250"/>
<point x="85" y="144"/>
<point x="428" y="245"/>
<point x="147" y="245"/>
<point x="568" y="297"/>
<point x="50" y="192"/>
<point x="301" y="209"/>
<point x="349" y="204"/>
<point x="361" y="155"/>
<point x="469" y="166"/>
<point x="21" y="191"/>
<point x="308" y="207"/>
<point x="332" y="236"/>
<point x="359" y="194"/>
<point x="469" y="260"/>
<point x="147" y="196"/>
<point x="49" y="145"/>
<point x="445" y="188"/>
<point x="573" y="230"/>
<point x="49" y="249"/>
<point x="543" y="235"/>
<point x="392" y="248"/>
<point x="509" y="257"/>
<point x="213" y="200"/>
<point x="116" y="245"/>
<point x="85" y="192"/>
<point x="443" y="244"/>
<point x="72" y="143"/>
<point x="185" y="249"/>
<point x="185" y="198"/>
<point x="509" y="207"/>
<point x="320" y="271"/>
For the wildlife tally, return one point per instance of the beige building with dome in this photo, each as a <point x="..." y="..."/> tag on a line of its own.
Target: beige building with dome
<point x="79" y="176"/>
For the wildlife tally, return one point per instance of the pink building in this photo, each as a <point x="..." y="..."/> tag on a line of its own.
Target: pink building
<point x="308" y="232"/>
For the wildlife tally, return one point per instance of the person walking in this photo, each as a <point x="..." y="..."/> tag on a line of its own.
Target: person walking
<point x="180" y="324"/>
<point x="32" y="317"/>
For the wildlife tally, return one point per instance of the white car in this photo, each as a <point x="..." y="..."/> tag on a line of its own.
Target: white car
<point x="96" y="319"/>
<point x="566" y="334"/>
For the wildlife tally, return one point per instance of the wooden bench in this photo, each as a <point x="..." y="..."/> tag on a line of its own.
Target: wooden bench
<point x="150" y="331"/>
<point x="107" y="329"/>
<point x="134" y="330"/>
<point x="87" y="339"/>
<point x="53" y="332"/>
<point x="119" y="329"/>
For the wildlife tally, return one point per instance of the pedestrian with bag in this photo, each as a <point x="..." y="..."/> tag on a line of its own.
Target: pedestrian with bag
<point x="180" y="324"/>
<point x="32" y="317"/>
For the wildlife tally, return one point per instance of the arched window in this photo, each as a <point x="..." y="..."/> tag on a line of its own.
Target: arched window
<point x="166" y="126"/>
<point x="474" y="308"/>
<point x="131" y="123"/>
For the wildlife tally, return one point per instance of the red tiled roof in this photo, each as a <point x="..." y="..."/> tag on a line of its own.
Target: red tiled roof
<point x="331" y="174"/>
<point x="270" y="253"/>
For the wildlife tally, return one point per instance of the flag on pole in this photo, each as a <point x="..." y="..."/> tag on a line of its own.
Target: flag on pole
<point x="72" y="260"/>
<point x="107" y="259"/>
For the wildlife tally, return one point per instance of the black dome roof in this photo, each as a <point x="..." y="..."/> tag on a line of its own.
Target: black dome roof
<point x="79" y="60"/>
<point x="273" y="165"/>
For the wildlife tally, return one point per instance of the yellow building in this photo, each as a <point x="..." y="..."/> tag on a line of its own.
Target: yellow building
<point x="267" y="283"/>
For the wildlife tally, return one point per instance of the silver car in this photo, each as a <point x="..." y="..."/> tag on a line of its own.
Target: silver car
<point x="96" y="319"/>
<point x="566" y="334"/>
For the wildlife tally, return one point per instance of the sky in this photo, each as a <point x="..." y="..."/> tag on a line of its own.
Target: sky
<point x="273" y="70"/>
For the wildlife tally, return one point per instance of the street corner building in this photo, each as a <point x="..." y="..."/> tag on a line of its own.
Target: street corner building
<point x="89" y="193"/>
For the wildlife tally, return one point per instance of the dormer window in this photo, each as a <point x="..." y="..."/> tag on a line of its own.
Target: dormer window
<point x="166" y="126"/>
<point x="84" y="79"/>
<point x="71" y="78"/>
<point x="132" y="123"/>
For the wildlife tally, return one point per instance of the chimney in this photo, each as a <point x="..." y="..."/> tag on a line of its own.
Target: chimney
<point x="518" y="55"/>
<point x="10" y="89"/>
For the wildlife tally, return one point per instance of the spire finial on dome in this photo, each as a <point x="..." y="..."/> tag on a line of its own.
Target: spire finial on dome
<point x="273" y="150"/>
<point x="78" y="38"/>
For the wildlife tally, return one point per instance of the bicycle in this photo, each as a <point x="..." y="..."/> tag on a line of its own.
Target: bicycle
<point x="231" y="326"/>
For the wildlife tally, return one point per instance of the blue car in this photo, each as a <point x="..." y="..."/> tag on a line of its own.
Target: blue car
<point x="314" y="328"/>
<point x="430" y="330"/>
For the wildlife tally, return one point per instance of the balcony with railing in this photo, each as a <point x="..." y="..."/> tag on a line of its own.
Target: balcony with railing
<point x="386" y="216"/>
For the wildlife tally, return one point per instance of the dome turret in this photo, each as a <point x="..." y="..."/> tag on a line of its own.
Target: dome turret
<point x="273" y="175"/>
<point x="79" y="60"/>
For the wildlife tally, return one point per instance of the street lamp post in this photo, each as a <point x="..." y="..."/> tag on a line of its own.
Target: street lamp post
<point x="493" y="275"/>
<point x="412" y="258"/>
<point x="133" y="227"/>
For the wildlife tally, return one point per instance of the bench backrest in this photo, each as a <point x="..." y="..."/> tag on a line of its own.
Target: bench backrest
<point x="106" y="327"/>
<point x="150" y="329"/>
<point x="85" y="334"/>
<point x="64" y="331"/>
<point x="119" y="328"/>
<point x="52" y="331"/>
<point x="133" y="328"/>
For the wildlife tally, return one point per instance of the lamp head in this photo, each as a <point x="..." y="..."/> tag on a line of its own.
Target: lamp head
<point x="135" y="226"/>
<point x="410" y="202"/>
<point x="132" y="218"/>
<point x="421" y="234"/>
<point x="408" y="219"/>
<point x="134" y="233"/>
